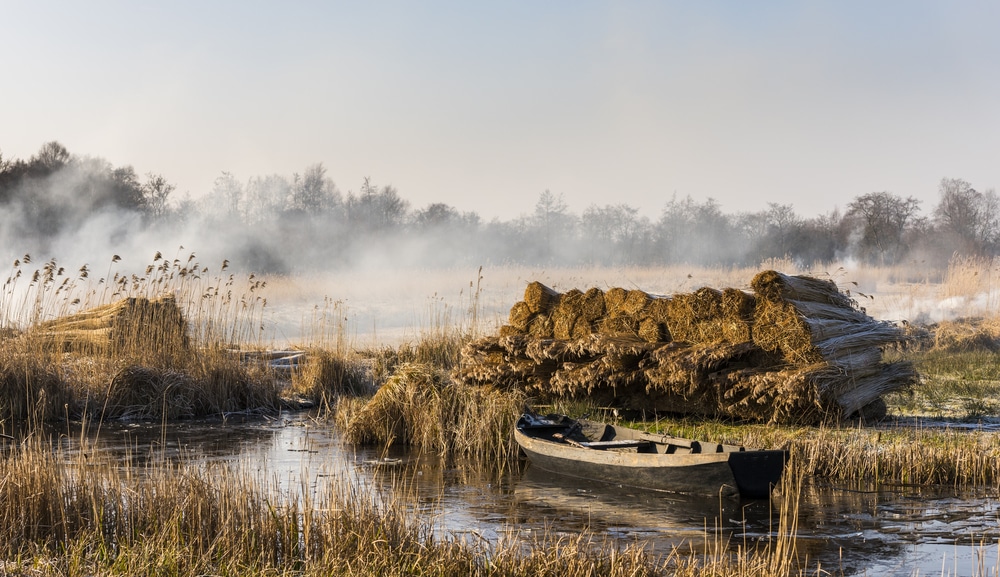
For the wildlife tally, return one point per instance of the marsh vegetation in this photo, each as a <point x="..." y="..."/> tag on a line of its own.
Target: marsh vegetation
<point x="79" y="514"/>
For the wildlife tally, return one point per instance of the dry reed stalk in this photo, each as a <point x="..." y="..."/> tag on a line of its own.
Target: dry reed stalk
<point x="542" y="350"/>
<point x="842" y="330"/>
<point x="33" y="389"/>
<point x="967" y="276"/>
<point x="820" y="310"/>
<point x="600" y="379"/>
<point x="592" y="306"/>
<point x="686" y="369"/>
<point x="659" y="310"/>
<point x="869" y="335"/>
<point x="856" y="362"/>
<point x="598" y="345"/>
<point x="614" y="300"/>
<point x="582" y="328"/>
<point x="776" y="286"/>
<point x="520" y="316"/>
<point x="892" y="377"/>
<point x="636" y="302"/>
<point x="540" y="298"/>
<point x="735" y="331"/>
<point x="618" y="324"/>
<point x="706" y="303"/>
<point x="681" y="319"/>
<point x="737" y="304"/>
<point x="566" y="314"/>
<point x="778" y="327"/>
<point x="508" y="330"/>
<point x="653" y="331"/>
<point x="966" y="335"/>
<point x="421" y="407"/>
<point x="777" y="396"/>
<point x="541" y="327"/>
<point x="384" y="421"/>
<point x="328" y="375"/>
<point x="138" y="392"/>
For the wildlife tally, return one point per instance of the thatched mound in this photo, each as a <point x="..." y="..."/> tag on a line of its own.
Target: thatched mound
<point x="795" y="349"/>
<point x="129" y="326"/>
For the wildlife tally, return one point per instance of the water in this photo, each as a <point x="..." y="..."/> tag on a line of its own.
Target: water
<point x="894" y="531"/>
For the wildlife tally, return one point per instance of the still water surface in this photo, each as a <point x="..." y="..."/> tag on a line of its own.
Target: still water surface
<point x="896" y="532"/>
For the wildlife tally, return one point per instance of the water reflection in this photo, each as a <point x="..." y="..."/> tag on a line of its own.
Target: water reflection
<point x="893" y="531"/>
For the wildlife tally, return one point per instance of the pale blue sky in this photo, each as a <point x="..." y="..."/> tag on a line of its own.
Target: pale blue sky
<point x="484" y="106"/>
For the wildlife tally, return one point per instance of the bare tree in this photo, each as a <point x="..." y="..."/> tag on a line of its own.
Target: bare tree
<point x="227" y="195"/>
<point x="782" y="223"/>
<point x="436" y="216"/>
<point x="553" y="220"/>
<point x="968" y="219"/>
<point x="881" y="219"/>
<point x="313" y="192"/>
<point x="374" y="209"/>
<point x="156" y="192"/>
<point x="51" y="157"/>
<point x="266" y="197"/>
<point x="696" y="233"/>
<point x="610" y="231"/>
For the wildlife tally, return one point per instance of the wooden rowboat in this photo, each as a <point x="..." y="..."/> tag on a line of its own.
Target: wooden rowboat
<point x="623" y="456"/>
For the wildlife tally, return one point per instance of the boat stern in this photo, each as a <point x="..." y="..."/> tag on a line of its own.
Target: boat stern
<point x="757" y="472"/>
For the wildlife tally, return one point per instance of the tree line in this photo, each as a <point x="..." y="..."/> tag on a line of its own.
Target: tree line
<point x="278" y="223"/>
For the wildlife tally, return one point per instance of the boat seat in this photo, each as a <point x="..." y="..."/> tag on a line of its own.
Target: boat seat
<point x="619" y="444"/>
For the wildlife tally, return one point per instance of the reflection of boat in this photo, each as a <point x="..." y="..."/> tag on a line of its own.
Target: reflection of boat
<point x="663" y="519"/>
<point x="591" y="450"/>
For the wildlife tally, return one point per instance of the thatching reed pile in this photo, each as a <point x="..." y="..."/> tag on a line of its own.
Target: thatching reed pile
<point x="793" y="350"/>
<point x="128" y="327"/>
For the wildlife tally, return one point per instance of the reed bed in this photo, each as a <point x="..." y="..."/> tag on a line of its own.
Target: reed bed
<point x="329" y="375"/>
<point x="863" y="457"/>
<point x="181" y="519"/>
<point x="157" y="345"/>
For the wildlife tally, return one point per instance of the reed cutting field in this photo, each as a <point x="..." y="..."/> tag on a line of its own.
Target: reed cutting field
<point x="183" y="340"/>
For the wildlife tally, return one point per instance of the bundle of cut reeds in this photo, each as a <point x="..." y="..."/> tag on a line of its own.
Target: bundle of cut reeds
<point x="795" y="349"/>
<point x="131" y="325"/>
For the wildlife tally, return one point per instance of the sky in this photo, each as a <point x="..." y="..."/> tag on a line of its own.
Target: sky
<point x="486" y="105"/>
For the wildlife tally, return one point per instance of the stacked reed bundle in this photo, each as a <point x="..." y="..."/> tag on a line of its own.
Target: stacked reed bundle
<point x="131" y="326"/>
<point x="795" y="350"/>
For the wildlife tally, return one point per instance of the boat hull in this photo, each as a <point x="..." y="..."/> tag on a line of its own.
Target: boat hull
<point x="721" y="470"/>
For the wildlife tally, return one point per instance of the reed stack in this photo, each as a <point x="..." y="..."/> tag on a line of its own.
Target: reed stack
<point x="126" y="327"/>
<point x="794" y="349"/>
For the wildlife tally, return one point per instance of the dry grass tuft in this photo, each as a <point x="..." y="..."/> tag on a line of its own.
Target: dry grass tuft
<point x="143" y="392"/>
<point x="422" y="407"/>
<point x="32" y="388"/>
<point x="328" y="375"/>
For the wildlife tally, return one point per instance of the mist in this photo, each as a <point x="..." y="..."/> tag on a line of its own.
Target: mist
<point x="389" y="265"/>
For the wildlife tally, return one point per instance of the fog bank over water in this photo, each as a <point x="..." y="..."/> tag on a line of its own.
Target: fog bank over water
<point x="387" y="270"/>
